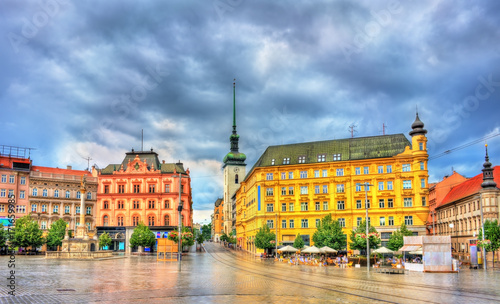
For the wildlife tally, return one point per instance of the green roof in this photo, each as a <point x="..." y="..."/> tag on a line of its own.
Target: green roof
<point x="150" y="157"/>
<point x="347" y="149"/>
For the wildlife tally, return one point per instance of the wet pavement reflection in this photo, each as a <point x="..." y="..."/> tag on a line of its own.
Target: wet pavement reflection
<point x="226" y="276"/>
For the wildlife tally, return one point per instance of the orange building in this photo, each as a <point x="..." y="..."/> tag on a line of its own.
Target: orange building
<point x="141" y="189"/>
<point x="218" y="221"/>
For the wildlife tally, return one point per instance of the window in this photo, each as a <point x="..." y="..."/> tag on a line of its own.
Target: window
<point x="316" y="189"/>
<point x="119" y="220"/>
<point x="318" y="222"/>
<point x="406" y="168"/>
<point x="422" y="166"/>
<point x="137" y="188"/>
<point x="304" y="223"/>
<point x="290" y="175"/>
<point x="270" y="224"/>
<point x="358" y="221"/>
<point x="121" y="188"/>
<point x="151" y="220"/>
<point x="78" y="194"/>
<point x="151" y="204"/>
<point x="317" y="206"/>
<point x="236" y="179"/>
<point x="121" y="205"/>
<point x="283" y="190"/>
<point x="420" y="145"/>
<point x="389" y="185"/>
<point x="135" y="220"/>
<point x="303" y="206"/>
<point x="367" y="205"/>
<point x="340" y="172"/>
<point x="382" y="221"/>
<point x="283" y="223"/>
<point x="325" y="173"/>
<point x="388" y="169"/>
<point x="390" y="203"/>
<point x="106" y="188"/>
<point x="105" y="220"/>
<point x="152" y="188"/>
<point x="325" y="205"/>
<point x="135" y="204"/>
<point x="303" y="174"/>
<point x="20" y="209"/>
<point x="23" y="180"/>
<point x="43" y="225"/>
<point x="3" y="193"/>
<point x="369" y="221"/>
<point x="424" y="201"/>
<point x="340" y="188"/>
<point x="4" y="178"/>
<point x="286" y="161"/>
<point x="270" y="207"/>
<point x="302" y="159"/>
<point x="292" y="224"/>
<point x="407" y="202"/>
<point x="366" y="170"/>
<point x="11" y="193"/>
<point x="358" y="187"/>
<point x="358" y="204"/>
<point x="167" y="188"/>
<point x="321" y="157"/>
<point x="283" y="207"/>
<point x="167" y="220"/>
<point x="105" y="205"/>
<point x="66" y="209"/>
<point x="67" y="194"/>
<point x="337" y="157"/>
<point x="283" y="175"/>
<point x="269" y="176"/>
<point x="89" y="195"/>
<point x="22" y="194"/>
<point x="45" y="192"/>
<point x="77" y="209"/>
<point x="89" y="210"/>
<point x="380" y="169"/>
<point x="290" y="190"/>
<point x="340" y="205"/>
<point x="407" y="184"/>
<point x="381" y="203"/>
<point x="272" y="162"/>
<point x="422" y="182"/>
<point x="290" y="208"/>
<point x="325" y="188"/>
<point x="303" y="190"/>
<point x="33" y="207"/>
<point x="316" y="173"/>
<point x="11" y="179"/>
<point x="269" y="191"/>
<point x="409" y="220"/>
<point x="167" y="204"/>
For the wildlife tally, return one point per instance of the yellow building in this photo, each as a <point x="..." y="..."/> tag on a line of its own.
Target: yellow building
<point x="292" y="187"/>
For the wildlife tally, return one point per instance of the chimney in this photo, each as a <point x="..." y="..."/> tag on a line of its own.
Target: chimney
<point x="69" y="167"/>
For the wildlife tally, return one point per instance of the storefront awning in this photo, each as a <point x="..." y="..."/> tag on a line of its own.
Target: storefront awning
<point x="410" y="248"/>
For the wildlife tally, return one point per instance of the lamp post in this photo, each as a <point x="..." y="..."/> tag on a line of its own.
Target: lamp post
<point x="482" y="230"/>
<point x="179" y="210"/>
<point x="367" y="228"/>
<point x="276" y="237"/>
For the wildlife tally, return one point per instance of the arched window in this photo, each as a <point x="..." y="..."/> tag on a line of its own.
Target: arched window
<point x="236" y="179"/>
<point x="167" y="220"/>
<point x="135" y="220"/>
<point x="151" y="220"/>
<point x="119" y="220"/>
<point x="105" y="220"/>
<point x="167" y="204"/>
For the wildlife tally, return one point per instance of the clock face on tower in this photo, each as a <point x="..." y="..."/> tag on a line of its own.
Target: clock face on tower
<point x="236" y="169"/>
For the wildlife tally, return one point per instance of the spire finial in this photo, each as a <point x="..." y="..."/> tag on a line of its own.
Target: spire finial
<point x="234" y="105"/>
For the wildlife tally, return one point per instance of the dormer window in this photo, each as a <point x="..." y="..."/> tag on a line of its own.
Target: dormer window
<point x="337" y="157"/>
<point x="302" y="159"/>
<point x="286" y="161"/>
<point x="272" y="162"/>
<point x="321" y="157"/>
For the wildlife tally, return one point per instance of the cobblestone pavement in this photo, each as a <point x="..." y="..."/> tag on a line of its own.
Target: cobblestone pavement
<point x="223" y="276"/>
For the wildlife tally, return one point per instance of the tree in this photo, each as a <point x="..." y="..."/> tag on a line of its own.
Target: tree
<point x="299" y="242"/>
<point x="329" y="233"/>
<point x="27" y="233"/>
<point x="492" y="237"/>
<point x="206" y="230"/>
<point x="200" y="238"/>
<point x="3" y="236"/>
<point x="265" y="239"/>
<point x="142" y="236"/>
<point x="396" y="240"/>
<point x="358" y="237"/>
<point x="105" y="240"/>
<point x="56" y="233"/>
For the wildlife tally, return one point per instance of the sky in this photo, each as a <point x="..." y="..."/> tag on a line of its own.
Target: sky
<point x="81" y="79"/>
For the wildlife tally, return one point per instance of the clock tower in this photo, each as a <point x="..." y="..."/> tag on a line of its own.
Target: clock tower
<point x="234" y="171"/>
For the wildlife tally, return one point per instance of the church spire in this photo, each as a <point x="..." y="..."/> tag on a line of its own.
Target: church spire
<point x="234" y="157"/>
<point x="488" y="181"/>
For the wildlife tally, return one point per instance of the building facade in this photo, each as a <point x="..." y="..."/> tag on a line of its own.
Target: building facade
<point x="292" y="187"/>
<point x="55" y="194"/>
<point x="218" y="220"/>
<point x="459" y="213"/>
<point x="234" y="172"/>
<point x="141" y="189"/>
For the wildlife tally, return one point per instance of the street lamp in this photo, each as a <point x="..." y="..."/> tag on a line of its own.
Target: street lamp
<point x="367" y="228"/>
<point x="482" y="229"/>
<point x="179" y="210"/>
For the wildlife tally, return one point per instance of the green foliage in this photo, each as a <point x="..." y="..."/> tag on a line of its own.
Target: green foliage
<point x="491" y="235"/>
<point x="329" y="233"/>
<point x="105" y="240"/>
<point x="396" y="240"/>
<point x="206" y="230"/>
<point x="142" y="236"/>
<point x="299" y="242"/>
<point x="56" y="233"/>
<point x="187" y="237"/>
<point x="265" y="238"/>
<point x="200" y="238"/>
<point x="27" y="233"/>
<point x="358" y="237"/>
<point x="3" y="236"/>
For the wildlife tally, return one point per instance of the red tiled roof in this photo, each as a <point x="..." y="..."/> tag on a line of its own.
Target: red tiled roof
<point x="469" y="187"/>
<point x="60" y="171"/>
